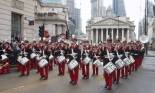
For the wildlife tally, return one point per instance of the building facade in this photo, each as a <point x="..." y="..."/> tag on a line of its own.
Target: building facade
<point x="119" y="8"/>
<point x="97" y="8"/>
<point x="77" y="20"/>
<point x="100" y="29"/>
<point x="15" y="19"/>
<point x="54" y="16"/>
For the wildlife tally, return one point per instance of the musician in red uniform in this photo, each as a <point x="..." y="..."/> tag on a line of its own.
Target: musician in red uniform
<point x="5" y="65"/>
<point x="43" y="70"/>
<point x="24" y="68"/>
<point x="61" y="65"/>
<point x="8" y="50"/>
<point x="108" y="77"/>
<point x="85" y="67"/>
<point x="74" y="54"/>
<point x="120" y="52"/>
<point x="95" y="55"/>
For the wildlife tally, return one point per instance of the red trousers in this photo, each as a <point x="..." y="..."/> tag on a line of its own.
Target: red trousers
<point x="61" y="68"/>
<point x="118" y="75"/>
<point x="95" y="69"/>
<point x="24" y="69"/>
<point x="33" y="63"/>
<point x="50" y="65"/>
<point x="123" y="72"/>
<point x="44" y="72"/>
<point x="74" y="74"/>
<point x="126" y="71"/>
<point x="85" y="70"/>
<point x="136" y="63"/>
<point x="5" y="69"/>
<point x="108" y="79"/>
<point x="114" y="75"/>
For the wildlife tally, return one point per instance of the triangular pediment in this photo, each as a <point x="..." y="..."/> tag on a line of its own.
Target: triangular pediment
<point x="111" y="22"/>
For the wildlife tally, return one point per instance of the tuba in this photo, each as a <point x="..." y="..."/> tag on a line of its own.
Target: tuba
<point x="144" y="39"/>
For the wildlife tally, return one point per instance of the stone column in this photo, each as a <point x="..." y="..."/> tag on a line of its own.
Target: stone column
<point x="127" y="34"/>
<point x="106" y="33"/>
<point x="117" y="33"/>
<point x="101" y="34"/>
<point x="92" y="38"/>
<point x="122" y="33"/>
<point x="112" y="34"/>
<point x="96" y="35"/>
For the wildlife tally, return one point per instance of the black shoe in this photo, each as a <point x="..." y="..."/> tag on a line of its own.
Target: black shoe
<point x="109" y="88"/>
<point x="71" y="82"/>
<point x="83" y="77"/>
<point x="105" y="86"/>
<point x="21" y="75"/>
<point x="117" y="82"/>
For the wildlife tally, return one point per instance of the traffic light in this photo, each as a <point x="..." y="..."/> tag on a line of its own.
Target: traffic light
<point x="67" y="34"/>
<point x="41" y="31"/>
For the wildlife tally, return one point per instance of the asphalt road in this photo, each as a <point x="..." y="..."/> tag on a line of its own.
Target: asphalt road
<point x="141" y="81"/>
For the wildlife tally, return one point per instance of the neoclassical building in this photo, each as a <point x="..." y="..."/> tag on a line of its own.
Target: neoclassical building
<point x="102" y="28"/>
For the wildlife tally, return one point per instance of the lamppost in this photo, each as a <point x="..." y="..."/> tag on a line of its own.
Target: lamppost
<point x="146" y="25"/>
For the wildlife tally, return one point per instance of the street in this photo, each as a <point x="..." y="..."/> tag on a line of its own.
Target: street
<point x="139" y="82"/>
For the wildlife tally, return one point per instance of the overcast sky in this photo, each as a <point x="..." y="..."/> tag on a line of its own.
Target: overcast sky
<point x="134" y="10"/>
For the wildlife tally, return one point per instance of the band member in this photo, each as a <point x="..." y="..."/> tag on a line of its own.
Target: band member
<point x="6" y="62"/>
<point x="85" y="67"/>
<point x="107" y="76"/>
<point x="118" y="49"/>
<point x="24" y="68"/>
<point x="95" y="55"/>
<point x="74" y="53"/>
<point x="51" y="56"/>
<point x="5" y="65"/>
<point x="43" y="70"/>
<point x="61" y="65"/>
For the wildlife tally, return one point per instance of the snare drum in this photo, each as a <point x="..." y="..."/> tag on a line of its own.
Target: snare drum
<point x="109" y="68"/>
<point x="98" y="63"/>
<point x="132" y="59"/>
<point x="42" y="63"/>
<point x="4" y="57"/>
<point x="119" y="63"/>
<point x="86" y="60"/>
<point x="51" y="57"/>
<point x="33" y="55"/>
<point x="24" y="60"/>
<point x="73" y="64"/>
<point x="19" y="58"/>
<point x="61" y="59"/>
<point x="127" y="61"/>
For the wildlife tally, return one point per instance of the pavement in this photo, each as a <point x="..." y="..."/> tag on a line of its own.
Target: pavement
<point x="141" y="81"/>
<point x="151" y="53"/>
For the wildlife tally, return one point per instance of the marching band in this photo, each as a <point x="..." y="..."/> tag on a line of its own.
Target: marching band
<point x="117" y="59"/>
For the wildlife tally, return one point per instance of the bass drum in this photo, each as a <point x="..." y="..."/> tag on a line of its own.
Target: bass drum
<point x="73" y="64"/>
